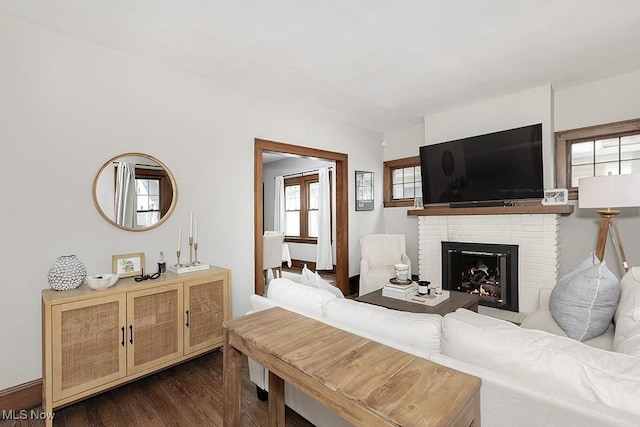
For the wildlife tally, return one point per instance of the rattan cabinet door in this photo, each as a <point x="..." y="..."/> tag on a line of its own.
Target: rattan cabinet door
<point x="204" y="314"/>
<point x="154" y="319"/>
<point x="88" y="344"/>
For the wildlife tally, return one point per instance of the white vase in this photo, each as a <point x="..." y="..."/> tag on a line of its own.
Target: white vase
<point x="67" y="273"/>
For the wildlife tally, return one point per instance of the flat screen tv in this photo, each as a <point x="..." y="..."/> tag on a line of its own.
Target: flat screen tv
<point x="500" y="166"/>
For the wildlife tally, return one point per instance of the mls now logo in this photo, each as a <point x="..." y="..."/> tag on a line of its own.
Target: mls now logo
<point x="33" y="414"/>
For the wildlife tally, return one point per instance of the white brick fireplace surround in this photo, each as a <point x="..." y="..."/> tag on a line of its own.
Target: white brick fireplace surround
<point x="537" y="235"/>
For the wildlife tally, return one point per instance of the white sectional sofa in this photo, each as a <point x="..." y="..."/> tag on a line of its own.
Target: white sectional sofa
<point x="529" y="377"/>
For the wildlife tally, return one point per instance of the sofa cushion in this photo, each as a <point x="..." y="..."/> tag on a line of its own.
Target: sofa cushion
<point x="627" y="317"/>
<point x="631" y="344"/>
<point x="543" y="321"/>
<point x="584" y="301"/>
<point x="415" y="333"/>
<point x="544" y="359"/>
<point x="298" y="296"/>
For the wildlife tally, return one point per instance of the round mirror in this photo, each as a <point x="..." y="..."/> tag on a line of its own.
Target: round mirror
<point x="135" y="191"/>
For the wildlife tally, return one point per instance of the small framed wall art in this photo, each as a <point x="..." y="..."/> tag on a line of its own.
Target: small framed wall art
<point x="364" y="191"/>
<point x="556" y="196"/>
<point x="127" y="265"/>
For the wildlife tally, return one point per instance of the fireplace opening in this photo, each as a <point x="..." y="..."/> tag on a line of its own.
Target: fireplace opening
<point x="488" y="270"/>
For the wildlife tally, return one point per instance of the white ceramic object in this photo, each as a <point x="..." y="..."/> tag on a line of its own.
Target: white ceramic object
<point x="102" y="281"/>
<point x="402" y="272"/>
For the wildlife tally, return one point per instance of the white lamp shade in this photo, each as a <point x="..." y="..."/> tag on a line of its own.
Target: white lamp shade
<point x="609" y="191"/>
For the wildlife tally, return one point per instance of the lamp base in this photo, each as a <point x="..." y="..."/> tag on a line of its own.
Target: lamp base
<point x="608" y="220"/>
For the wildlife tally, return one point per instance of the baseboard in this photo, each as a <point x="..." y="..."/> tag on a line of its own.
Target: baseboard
<point x="23" y="396"/>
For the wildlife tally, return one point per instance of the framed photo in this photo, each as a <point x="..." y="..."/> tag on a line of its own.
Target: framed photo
<point x="364" y="191"/>
<point x="556" y="196"/>
<point x="127" y="265"/>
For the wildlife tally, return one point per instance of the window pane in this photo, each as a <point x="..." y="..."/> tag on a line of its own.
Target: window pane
<point x="142" y="203"/>
<point x="396" y="176"/>
<point x="577" y="172"/>
<point x="293" y="224"/>
<point x="630" y="166"/>
<point x="397" y="191"/>
<point x="313" y="224"/>
<point x="292" y="198"/>
<point x="408" y="174"/>
<point x="607" y="150"/>
<point x="582" y="153"/>
<point x="603" y="169"/>
<point x="417" y="192"/>
<point x="630" y="147"/>
<point x="153" y="187"/>
<point x="154" y="203"/>
<point x="408" y="191"/>
<point x="145" y="219"/>
<point x="418" y="174"/>
<point x="314" y="187"/>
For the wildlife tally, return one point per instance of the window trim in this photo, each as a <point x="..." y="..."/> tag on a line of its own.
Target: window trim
<point x="387" y="194"/>
<point x="304" y="181"/>
<point x="564" y="139"/>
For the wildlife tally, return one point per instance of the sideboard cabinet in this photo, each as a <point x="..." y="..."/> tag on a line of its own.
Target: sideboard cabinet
<point x="93" y="341"/>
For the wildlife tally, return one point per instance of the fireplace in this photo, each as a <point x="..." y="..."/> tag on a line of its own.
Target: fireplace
<point x="486" y="269"/>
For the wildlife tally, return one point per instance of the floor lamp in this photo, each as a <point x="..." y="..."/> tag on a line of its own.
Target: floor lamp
<point x="606" y="192"/>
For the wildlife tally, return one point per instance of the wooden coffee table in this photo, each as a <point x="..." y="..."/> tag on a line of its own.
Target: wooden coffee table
<point x="455" y="301"/>
<point x="367" y="383"/>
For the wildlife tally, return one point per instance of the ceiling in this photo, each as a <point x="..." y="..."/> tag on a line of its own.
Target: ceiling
<point x="378" y="64"/>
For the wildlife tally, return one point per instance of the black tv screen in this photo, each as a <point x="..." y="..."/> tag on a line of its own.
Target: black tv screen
<point x="505" y="165"/>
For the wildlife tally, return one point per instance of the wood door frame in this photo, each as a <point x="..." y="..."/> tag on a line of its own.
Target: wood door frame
<point x="342" y="207"/>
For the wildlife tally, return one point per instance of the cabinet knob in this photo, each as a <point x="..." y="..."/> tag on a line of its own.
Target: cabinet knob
<point x="122" y="336"/>
<point x="131" y="334"/>
<point x="187" y="318"/>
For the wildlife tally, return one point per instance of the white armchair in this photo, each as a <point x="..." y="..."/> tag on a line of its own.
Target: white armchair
<point x="379" y="253"/>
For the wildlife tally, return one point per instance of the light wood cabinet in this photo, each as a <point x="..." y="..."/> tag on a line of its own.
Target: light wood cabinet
<point x="93" y="341"/>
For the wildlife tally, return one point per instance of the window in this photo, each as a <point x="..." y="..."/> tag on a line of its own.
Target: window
<point x="148" y="201"/>
<point x="301" y="206"/>
<point x="402" y="181"/>
<point x="153" y="194"/>
<point x="597" y="150"/>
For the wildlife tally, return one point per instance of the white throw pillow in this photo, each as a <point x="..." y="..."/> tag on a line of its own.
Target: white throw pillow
<point x="627" y="317"/>
<point x="310" y="278"/>
<point x="584" y="301"/>
<point x="296" y="295"/>
<point x="415" y="333"/>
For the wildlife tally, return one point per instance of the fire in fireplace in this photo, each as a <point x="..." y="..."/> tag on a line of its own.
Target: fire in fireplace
<point x="488" y="270"/>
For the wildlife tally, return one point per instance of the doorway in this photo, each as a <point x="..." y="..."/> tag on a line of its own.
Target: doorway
<point x="342" y="207"/>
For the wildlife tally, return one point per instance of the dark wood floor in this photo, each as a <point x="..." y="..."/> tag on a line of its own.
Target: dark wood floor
<point x="187" y="395"/>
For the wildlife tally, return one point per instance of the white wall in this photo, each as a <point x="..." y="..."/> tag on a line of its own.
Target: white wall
<point x="604" y="101"/>
<point x="67" y="106"/>
<point x="300" y="251"/>
<point x="599" y="102"/>
<point x="399" y="144"/>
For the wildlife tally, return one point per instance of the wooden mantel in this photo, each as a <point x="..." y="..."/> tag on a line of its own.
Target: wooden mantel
<point x="520" y="208"/>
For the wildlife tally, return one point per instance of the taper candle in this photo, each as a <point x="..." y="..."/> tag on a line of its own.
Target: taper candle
<point x="191" y="224"/>
<point x="195" y="230"/>
<point x="179" y="237"/>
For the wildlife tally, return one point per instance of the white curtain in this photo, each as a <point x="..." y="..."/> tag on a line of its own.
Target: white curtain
<point x="324" y="258"/>
<point x="279" y="218"/>
<point x="126" y="194"/>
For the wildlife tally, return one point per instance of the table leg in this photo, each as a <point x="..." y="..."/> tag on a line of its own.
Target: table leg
<point x="276" y="400"/>
<point x="232" y="383"/>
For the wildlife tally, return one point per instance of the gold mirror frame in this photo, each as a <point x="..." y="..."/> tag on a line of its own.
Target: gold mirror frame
<point x="109" y="163"/>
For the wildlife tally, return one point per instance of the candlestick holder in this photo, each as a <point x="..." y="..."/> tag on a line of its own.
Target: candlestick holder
<point x="195" y="246"/>
<point x="190" y="251"/>
<point x="178" y="255"/>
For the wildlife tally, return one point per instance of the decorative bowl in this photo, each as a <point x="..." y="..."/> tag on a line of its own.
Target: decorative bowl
<point x="102" y="281"/>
